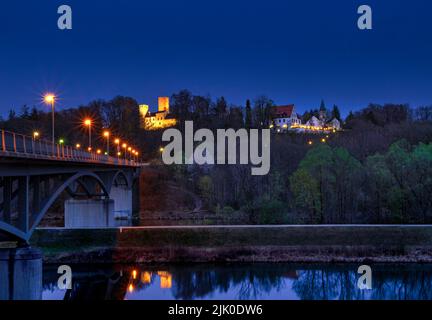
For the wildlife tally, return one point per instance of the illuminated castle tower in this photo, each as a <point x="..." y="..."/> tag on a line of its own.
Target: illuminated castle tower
<point x="158" y="120"/>
<point x="163" y="104"/>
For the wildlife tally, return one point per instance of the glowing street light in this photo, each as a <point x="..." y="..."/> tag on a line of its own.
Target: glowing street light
<point x="310" y="142"/>
<point x="117" y="142"/>
<point x="99" y="151"/>
<point x="161" y="149"/>
<point x="88" y="123"/>
<point x="50" y="98"/>
<point x="61" y="141"/>
<point x="124" y="146"/>
<point x="35" y="135"/>
<point x="78" y="146"/>
<point x="106" y="134"/>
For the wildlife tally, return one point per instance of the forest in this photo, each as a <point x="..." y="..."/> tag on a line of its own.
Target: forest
<point x="377" y="170"/>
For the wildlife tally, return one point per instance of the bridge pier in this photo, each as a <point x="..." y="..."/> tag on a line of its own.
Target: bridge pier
<point x="20" y="274"/>
<point x="122" y="197"/>
<point x="89" y="213"/>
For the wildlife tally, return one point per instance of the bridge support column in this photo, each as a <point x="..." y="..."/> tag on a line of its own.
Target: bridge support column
<point x="122" y="202"/>
<point x="7" y="198"/>
<point x="23" y="203"/>
<point x="89" y="213"/>
<point x="20" y="274"/>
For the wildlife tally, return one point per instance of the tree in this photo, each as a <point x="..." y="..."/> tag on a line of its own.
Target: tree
<point x="306" y="194"/>
<point x="248" y="120"/>
<point x="347" y="173"/>
<point x="262" y="108"/>
<point x="25" y="112"/>
<point x="221" y="108"/>
<point x="201" y="106"/>
<point x="235" y="118"/>
<point x="318" y="163"/>
<point x="182" y="104"/>
<point x="12" y="115"/>
<point x="34" y="114"/>
<point x="423" y="113"/>
<point x="322" y="106"/>
<point x="306" y="116"/>
<point x="349" y="117"/>
<point x="336" y="113"/>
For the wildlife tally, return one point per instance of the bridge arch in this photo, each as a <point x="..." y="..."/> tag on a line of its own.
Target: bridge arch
<point x="7" y="229"/>
<point x="15" y="232"/>
<point x="59" y="190"/>
<point x="120" y="174"/>
<point x="121" y="192"/>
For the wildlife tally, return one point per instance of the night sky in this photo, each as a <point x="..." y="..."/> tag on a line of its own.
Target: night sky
<point x="293" y="51"/>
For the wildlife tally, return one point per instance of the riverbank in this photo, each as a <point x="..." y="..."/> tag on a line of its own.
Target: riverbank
<point x="354" y="243"/>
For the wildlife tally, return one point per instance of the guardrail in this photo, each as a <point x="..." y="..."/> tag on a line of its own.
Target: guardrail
<point x="14" y="144"/>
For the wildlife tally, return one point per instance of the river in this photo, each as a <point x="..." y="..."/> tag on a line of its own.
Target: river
<point x="239" y="281"/>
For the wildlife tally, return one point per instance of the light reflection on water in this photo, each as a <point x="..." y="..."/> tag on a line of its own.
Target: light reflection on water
<point x="258" y="281"/>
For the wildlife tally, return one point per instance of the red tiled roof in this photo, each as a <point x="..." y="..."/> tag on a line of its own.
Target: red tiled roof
<point x="282" y="111"/>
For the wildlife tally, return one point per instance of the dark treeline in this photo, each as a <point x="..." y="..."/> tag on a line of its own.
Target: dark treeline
<point x="378" y="170"/>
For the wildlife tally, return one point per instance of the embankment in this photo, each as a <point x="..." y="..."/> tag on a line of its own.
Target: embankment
<point x="237" y="244"/>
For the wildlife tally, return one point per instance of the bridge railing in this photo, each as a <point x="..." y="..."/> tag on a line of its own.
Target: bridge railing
<point x="27" y="146"/>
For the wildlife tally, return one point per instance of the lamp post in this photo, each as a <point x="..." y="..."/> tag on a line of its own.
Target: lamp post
<point x="117" y="142"/>
<point x="88" y="123"/>
<point x="107" y="136"/>
<point x="50" y="99"/>
<point x="125" y="149"/>
<point x="35" y="135"/>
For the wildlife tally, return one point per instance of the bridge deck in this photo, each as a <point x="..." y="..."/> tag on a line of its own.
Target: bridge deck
<point x="18" y="146"/>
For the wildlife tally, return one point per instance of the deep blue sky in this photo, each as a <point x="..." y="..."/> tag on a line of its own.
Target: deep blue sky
<point x="293" y="51"/>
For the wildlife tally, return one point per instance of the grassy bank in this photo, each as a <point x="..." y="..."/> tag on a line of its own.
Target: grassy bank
<point x="243" y="243"/>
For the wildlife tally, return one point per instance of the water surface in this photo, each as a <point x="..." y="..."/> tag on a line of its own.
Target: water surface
<point x="240" y="281"/>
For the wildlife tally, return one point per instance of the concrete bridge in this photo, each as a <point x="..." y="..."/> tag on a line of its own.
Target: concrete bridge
<point x="35" y="173"/>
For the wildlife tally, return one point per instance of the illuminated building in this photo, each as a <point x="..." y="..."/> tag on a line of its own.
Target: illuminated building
<point x="285" y="119"/>
<point x="157" y="120"/>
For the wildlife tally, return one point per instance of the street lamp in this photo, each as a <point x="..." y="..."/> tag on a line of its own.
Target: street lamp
<point x="50" y="99"/>
<point x="35" y="135"/>
<point x="78" y="146"/>
<point x="117" y="142"/>
<point x="88" y="123"/>
<point x="124" y="146"/>
<point x="106" y="134"/>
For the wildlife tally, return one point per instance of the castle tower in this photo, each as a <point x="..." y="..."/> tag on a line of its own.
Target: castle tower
<point x="143" y="111"/>
<point x="163" y="104"/>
